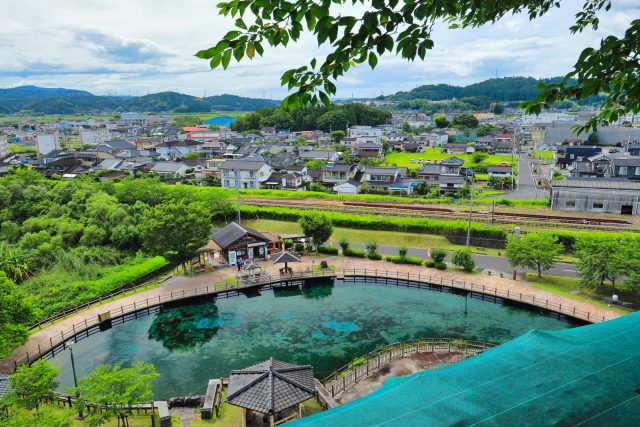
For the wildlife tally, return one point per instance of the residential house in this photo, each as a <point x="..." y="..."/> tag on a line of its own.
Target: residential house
<point x="455" y="148"/>
<point x="592" y="167"/>
<point x="499" y="171"/>
<point x="434" y="138"/>
<point x="118" y="147"/>
<point x="177" y="149"/>
<point x="626" y="167"/>
<point x="357" y="131"/>
<point x="568" y="154"/>
<point x="245" y="173"/>
<point x="447" y="174"/>
<point x="291" y="181"/>
<point x="388" y="178"/>
<point x="170" y="168"/>
<point x="502" y="146"/>
<point x="326" y="155"/>
<point x="213" y="149"/>
<point x="370" y="150"/>
<point x="615" y="196"/>
<point x="335" y="173"/>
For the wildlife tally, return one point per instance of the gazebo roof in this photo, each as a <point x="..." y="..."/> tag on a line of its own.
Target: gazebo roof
<point x="271" y="386"/>
<point x="282" y="257"/>
<point x="231" y="233"/>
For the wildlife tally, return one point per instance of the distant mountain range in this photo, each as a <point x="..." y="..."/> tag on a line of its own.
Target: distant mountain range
<point x="39" y="100"/>
<point x="501" y="89"/>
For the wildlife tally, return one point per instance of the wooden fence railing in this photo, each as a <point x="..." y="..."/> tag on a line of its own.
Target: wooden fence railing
<point x="79" y="330"/>
<point x="363" y="366"/>
<point x="566" y="309"/>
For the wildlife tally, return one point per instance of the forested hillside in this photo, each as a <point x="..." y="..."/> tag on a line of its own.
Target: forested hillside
<point x="502" y="89"/>
<point x="35" y="100"/>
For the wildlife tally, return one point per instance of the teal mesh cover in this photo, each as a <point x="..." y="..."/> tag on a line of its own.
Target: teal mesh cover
<point x="582" y="376"/>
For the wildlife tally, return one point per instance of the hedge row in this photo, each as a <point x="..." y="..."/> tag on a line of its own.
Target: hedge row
<point x="358" y="253"/>
<point x="329" y="250"/>
<point x="373" y="222"/>
<point x="404" y="260"/>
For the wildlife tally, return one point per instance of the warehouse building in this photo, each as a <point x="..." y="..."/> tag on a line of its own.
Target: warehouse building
<point x="615" y="196"/>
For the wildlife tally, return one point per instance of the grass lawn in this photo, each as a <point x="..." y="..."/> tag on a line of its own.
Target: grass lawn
<point x="432" y="153"/>
<point x="544" y="154"/>
<point x="17" y="148"/>
<point x="387" y="238"/>
<point x="564" y="285"/>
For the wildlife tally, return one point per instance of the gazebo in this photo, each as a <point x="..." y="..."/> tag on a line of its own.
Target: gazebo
<point x="271" y="388"/>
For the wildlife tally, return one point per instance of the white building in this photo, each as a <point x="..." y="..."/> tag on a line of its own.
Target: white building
<point x="249" y="173"/>
<point x="4" y="147"/>
<point x="46" y="143"/>
<point x="93" y="137"/>
<point x="357" y="131"/>
<point x="133" y="118"/>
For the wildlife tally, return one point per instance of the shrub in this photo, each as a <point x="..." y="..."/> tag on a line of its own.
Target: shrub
<point x="358" y="253"/>
<point x="344" y="244"/>
<point x="430" y="263"/>
<point x="438" y="254"/>
<point x="462" y="258"/>
<point x="374" y="256"/>
<point x="288" y="244"/>
<point x="402" y="251"/>
<point x="299" y="247"/>
<point x="328" y="250"/>
<point x="372" y="247"/>
<point x="404" y="260"/>
<point x="440" y="265"/>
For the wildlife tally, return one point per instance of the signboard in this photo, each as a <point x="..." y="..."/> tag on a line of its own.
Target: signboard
<point x="232" y="257"/>
<point x="250" y="251"/>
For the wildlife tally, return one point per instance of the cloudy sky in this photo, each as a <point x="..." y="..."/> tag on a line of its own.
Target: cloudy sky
<point x="146" y="46"/>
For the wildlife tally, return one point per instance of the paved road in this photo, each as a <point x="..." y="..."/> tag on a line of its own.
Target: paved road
<point x="526" y="185"/>
<point x="483" y="262"/>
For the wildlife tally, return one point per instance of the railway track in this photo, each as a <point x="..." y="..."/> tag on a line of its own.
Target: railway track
<point x="416" y="210"/>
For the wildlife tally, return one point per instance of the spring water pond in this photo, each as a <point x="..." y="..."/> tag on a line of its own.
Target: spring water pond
<point x="323" y="324"/>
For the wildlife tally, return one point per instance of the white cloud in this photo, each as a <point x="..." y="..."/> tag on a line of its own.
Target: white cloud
<point x="124" y="46"/>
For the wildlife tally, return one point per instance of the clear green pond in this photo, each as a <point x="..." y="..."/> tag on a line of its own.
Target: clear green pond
<point x="324" y="325"/>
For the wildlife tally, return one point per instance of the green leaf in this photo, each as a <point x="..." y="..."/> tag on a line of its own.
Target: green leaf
<point x="373" y="60"/>
<point x="226" y="57"/>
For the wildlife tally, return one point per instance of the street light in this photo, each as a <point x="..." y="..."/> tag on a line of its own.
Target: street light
<point x="75" y="380"/>
<point x="473" y="179"/>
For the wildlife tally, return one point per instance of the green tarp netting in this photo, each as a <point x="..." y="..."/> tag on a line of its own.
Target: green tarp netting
<point x="582" y="376"/>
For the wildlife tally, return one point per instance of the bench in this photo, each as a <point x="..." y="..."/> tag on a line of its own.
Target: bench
<point x="207" y="406"/>
<point x="163" y="413"/>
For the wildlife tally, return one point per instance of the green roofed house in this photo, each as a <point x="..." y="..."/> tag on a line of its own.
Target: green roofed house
<point x="583" y="376"/>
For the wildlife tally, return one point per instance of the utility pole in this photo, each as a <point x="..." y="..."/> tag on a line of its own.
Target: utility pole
<point x="237" y="174"/>
<point x="473" y="180"/>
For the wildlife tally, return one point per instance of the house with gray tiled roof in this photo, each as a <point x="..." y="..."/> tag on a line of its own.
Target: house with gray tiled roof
<point x="249" y="172"/>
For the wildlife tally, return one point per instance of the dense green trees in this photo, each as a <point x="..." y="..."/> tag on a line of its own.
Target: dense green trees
<point x="537" y="251"/>
<point x="30" y="385"/>
<point x="608" y="259"/>
<point x="65" y="242"/>
<point x="116" y="388"/>
<point x="316" y="226"/>
<point x="176" y="230"/>
<point x="16" y="314"/>
<point x="441" y="121"/>
<point x="332" y="117"/>
<point x="466" y="120"/>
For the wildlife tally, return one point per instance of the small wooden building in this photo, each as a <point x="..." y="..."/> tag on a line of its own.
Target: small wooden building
<point x="237" y="241"/>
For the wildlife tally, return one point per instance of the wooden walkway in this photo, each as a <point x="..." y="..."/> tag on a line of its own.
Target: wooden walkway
<point x="92" y="325"/>
<point x="427" y="280"/>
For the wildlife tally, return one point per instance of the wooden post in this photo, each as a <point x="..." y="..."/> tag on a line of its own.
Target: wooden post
<point x="271" y="424"/>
